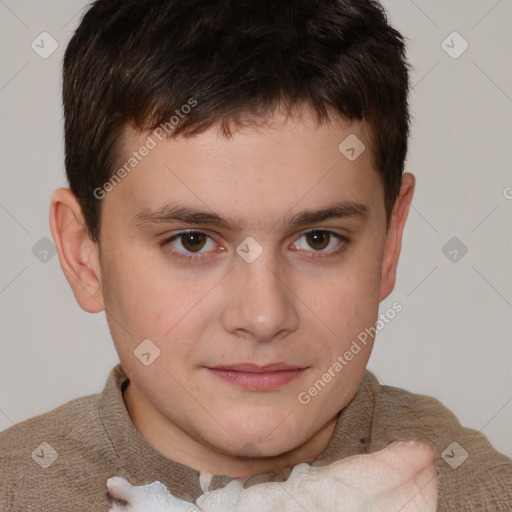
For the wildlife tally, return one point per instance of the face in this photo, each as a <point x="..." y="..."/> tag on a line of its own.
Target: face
<point x="251" y="264"/>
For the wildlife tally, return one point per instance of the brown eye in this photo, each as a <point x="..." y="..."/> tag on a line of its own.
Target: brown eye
<point x="321" y="243"/>
<point x="318" y="240"/>
<point x="193" y="241"/>
<point x="191" y="247"/>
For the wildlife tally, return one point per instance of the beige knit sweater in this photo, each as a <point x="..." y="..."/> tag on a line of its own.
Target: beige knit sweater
<point x="61" y="460"/>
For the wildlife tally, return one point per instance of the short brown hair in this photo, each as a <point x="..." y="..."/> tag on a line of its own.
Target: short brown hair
<point x="138" y="61"/>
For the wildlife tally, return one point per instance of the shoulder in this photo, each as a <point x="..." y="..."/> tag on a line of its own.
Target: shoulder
<point x="473" y="475"/>
<point x="61" y="420"/>
<point x="52" y="453"/>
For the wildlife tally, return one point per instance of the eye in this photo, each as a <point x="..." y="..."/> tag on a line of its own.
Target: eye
<point x="193" y="245"/>
<point x="186" y="243"/>
<point x="320" y="240"/>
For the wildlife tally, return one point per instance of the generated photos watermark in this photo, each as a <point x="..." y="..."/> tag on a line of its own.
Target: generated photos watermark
<point x="157" y="135"/>
<point x="304" y="397"/>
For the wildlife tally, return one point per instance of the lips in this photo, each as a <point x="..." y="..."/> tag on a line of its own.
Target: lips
<point x="255" y="377"/>
<point x="250" y="367"/>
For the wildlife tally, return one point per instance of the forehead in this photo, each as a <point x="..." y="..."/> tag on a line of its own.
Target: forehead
<point x="259" y="174"/>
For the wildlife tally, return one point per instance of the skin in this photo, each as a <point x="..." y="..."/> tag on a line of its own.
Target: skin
<point x="294" y="304"/>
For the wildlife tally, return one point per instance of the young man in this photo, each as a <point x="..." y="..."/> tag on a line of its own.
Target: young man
<point x="236" y="207"/>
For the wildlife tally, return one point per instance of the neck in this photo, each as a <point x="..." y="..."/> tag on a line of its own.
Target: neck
<point x="180" y="446"/>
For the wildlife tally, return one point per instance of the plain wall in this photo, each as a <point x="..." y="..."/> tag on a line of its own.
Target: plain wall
<point x="452" y="339"/>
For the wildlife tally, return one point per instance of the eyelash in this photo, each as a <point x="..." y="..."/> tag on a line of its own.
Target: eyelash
<point x="194" y="257"/>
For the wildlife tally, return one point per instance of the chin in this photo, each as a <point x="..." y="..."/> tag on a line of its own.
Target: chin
<point x="255" y="444"/>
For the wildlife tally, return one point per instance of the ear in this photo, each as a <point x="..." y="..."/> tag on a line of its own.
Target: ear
<point x="78" y="253"/>
<point x="394" y="236"/>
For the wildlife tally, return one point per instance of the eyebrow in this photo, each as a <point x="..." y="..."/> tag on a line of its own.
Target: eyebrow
<point x="174" y="212"/>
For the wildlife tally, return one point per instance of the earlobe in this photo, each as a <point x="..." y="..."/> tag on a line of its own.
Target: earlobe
<point x="394" y="236"/>
<point x="78" y="253"/>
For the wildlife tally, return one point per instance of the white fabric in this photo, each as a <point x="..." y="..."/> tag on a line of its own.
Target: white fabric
<point x="400" y="477"/>
<point x="204" y="480"/>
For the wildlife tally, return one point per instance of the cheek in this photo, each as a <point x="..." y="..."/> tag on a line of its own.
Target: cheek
<point x="138" y="291"/>
<point x="348" y="309"/>
<point x="346" y="300"/>
<point x="135" y="307"/>
<point x="144" y="302"/>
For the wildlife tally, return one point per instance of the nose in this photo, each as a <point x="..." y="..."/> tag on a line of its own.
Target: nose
<point x="261" y="304"/>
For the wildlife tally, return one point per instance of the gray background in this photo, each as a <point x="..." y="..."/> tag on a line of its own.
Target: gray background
<point x="452" y="339"/>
